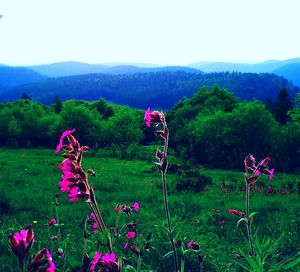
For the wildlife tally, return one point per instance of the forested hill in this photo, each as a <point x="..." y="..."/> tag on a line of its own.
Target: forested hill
<point x="156" y="89"/>
<point x="10" y="77"/>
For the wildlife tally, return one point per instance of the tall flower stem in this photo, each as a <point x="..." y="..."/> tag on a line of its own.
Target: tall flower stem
<point x="57" y="217"/>
<point x="100" y="222"/>
<point x="21" y="264"/>
<point x="139" y="263"/>
<point x="248" y="222"/>
<point x="164" y="169"/>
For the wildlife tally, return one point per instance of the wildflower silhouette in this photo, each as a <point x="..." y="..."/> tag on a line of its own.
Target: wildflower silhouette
<point x="257" y="170"/>
<point x="158" y="118"/>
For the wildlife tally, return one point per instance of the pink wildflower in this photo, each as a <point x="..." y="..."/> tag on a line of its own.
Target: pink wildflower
<point x="21" y="242"/>
<point x="66" y="165"/>
<point x="95" y="261"/>
<point x="93" y="220"/>
<point x="136" y="206"/>
<point x="250" y="162"/>
<point x="52" y="267"/>
<point x="126" y="245"/>
<point x="193" y="245"/>
<point x="271" y="175"/>
<point x="51" y="223"/>
<point x="147" y="117"/>
<point x="236" y="212"/>
<point x="190" y="243"/>
<point x="74" y="194"/>
<point x="109" y="258"/>
<point x="65" y="185"/>
<point x="64" y="134"/>
<point x="130" y="235"/>
<point x="154" y="116"/>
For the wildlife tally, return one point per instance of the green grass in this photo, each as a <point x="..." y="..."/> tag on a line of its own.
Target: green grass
<point x="29" y="180"/>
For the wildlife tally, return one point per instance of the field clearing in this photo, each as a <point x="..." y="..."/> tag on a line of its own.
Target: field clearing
<point x="29" y="181"/>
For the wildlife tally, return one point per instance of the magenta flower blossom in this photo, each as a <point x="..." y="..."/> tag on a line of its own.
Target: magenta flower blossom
<point x="271" y="175"/>
<point x="130" y="235"/>
<point x="126" y="245"/>
<point x="109" y="258"/>
<point x="41" y="259"/>
<point x="193" y="245"/>
<point x="52" y="267"/>
<point x="147" y="117"/>
<point x="236" y="212"/>
<point x="190" y="243"/>
<point x="95" y="261"/>
<point x="65" y="185"/>
<point x="64" y="134"/>
<point x="51" y="223"/>
<point x="21" y="242"/>
<point x="136" y="206"/>
<point x="65" y="166"/>
<point x="74" y="194"/>
<point x="153" y="116"/>
<point x="93" y="220"/>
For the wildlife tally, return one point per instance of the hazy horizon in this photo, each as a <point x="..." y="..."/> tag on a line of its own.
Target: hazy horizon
<point x="146" y="64"/>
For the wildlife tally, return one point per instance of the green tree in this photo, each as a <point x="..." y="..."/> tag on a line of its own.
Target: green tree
<point x="282" y="106"/>
<point x="57" y="104"/>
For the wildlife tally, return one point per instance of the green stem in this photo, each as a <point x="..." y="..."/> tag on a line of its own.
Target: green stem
<point x="182" y="264"/>
<point x="248" y="223"/>
<point x="100" y="222"/>
<point x="139" y="263"/>
<point x="165" y="193"/>
<point x="57" y="218"/>
<point x="21" y="261"/>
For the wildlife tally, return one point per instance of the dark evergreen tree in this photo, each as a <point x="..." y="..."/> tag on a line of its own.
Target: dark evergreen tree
<point x="282" y="105"/>
<point x="57" y="104"/>
<point x="25" y="96"/>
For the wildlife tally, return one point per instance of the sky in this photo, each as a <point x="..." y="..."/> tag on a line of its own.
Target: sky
<point x="164" y="32"/>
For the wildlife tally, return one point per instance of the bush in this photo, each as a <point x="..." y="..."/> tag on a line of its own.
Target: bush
<point x="192" y="180"/>
<point x="5" y="206"/>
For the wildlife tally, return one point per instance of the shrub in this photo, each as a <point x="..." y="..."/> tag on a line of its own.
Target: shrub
<point x="192" y="180"/>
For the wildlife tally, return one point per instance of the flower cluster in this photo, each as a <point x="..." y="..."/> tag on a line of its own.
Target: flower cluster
<point x="154" y="117"/>
<point x="127" y="209"/>
<point x="74" y="179"/>
<point x="260" y="168"/>
<point x="108" y="262"/>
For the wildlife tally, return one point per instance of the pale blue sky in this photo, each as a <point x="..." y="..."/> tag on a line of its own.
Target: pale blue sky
<point x="167" y="32"/>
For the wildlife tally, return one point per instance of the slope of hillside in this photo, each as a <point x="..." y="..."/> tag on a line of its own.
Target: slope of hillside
<point x="68" y="68"/>
<point x="262" y="67"/>
<point x="159" y="89"/>
<point x="290" y="71"/>
<point x="10" y="77"/>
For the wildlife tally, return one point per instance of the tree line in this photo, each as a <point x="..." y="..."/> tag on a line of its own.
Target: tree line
<point x="212" y="128"/>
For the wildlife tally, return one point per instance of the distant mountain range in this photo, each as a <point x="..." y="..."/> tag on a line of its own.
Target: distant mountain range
<point x="72" y="68"/>
<point x="112" y="81"/>
<point x="286" y="68"/>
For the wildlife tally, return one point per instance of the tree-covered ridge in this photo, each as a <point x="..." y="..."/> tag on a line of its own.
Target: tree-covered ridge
<point x="158" y="89"/>
<point x="11" y="77"/>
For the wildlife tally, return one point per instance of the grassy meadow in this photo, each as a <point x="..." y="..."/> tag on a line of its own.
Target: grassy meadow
<point x="29" y="181"/>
